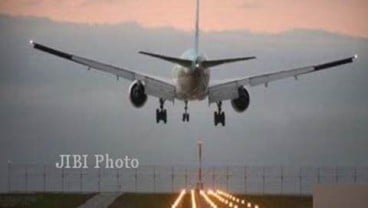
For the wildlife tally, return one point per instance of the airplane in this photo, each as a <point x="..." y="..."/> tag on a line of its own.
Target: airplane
<point x="191" y="78"/>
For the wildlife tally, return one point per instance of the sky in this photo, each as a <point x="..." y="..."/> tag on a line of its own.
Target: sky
<point x="338" y="16"/>
<point x="50" y="106"/>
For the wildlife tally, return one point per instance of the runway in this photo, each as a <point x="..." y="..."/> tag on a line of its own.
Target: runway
<point x="102" y="200"/>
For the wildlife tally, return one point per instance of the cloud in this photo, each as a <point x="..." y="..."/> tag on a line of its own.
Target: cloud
<point x="90" y="2"/>
<point x="251" y="4"/>
<point x="22" y="2"/>
<point x="257" y="16"/>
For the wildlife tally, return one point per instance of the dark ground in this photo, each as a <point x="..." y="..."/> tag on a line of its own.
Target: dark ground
<point x="40" y="200"/>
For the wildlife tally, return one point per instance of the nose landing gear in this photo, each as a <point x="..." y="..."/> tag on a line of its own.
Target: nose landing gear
<point x="161" y="113"/>
<point x="219" y="116"/>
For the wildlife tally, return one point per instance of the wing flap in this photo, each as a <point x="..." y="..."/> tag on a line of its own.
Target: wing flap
<point x="266" y="78"/>
<point x="223" y="92"/>
<point x="159" y="89"/>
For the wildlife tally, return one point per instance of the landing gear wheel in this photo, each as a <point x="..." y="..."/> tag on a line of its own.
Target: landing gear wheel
<point x="157" y="115"/>
<point x="185" y="117"/>
<point x="164" y="115"/>
<point x="222" y="118"/>
<point x="215" y="118"/>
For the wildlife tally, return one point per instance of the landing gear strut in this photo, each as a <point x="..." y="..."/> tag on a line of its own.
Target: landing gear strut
<point x="161" y="114"/>
<point x="185" y="114"/>
<point x="219" y="116"/>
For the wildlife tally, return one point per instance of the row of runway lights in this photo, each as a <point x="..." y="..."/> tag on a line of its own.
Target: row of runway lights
<point x="230" y="200"/>
<point x="208" y="200"/>
<point x="225" y="198"/>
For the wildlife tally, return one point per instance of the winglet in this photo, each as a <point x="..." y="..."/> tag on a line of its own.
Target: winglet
<point x="355" y="56"/>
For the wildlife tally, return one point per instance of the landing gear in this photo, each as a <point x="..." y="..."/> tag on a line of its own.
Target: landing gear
<point x="161" y="113"/>
<point x="186" y="114"/>
<point x="219" y="116"/>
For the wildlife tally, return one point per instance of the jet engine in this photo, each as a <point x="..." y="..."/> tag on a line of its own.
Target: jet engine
<point x="241" y="103"/>
<point x="137" y="94"/>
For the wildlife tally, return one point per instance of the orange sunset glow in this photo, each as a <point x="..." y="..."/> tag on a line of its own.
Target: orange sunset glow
<point x="339" y="16"/>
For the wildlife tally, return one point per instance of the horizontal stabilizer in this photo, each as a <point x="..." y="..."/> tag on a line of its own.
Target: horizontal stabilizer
<point x="212" y="63"/>
<point x="182" y="62"/>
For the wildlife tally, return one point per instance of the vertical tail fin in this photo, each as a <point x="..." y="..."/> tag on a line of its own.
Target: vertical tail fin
<point x="196" y="35"/>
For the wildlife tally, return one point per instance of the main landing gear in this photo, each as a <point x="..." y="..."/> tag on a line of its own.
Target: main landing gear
<point x="219" y="116"/>
<point x="161" y="113"/>
<point x="186" y="114"/>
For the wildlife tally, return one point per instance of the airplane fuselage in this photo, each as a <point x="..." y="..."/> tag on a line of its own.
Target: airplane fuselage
<point x="191" y="82"/>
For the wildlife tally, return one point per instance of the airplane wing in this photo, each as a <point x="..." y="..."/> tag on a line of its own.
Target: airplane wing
<point x="229" y="90"/>
<point x="154" y="87"/>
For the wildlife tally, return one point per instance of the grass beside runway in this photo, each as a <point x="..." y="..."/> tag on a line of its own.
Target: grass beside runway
<point x="43" y="200"/>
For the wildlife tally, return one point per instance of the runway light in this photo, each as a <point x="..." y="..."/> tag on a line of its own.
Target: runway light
<point x="207" y="199"/>
<point x="193" y="199"/>
<point x="180" y="197"/>
<point x="228" y="196"/>
<point x="229" y="200"/>
<point x="217" y="196"/>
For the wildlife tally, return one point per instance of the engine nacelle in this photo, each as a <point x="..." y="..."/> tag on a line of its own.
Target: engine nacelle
<point x="137" y="94"/>
<point x="241" y="103"/>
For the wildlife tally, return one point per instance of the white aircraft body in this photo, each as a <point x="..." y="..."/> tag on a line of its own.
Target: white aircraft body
<point x="191" y="79"/>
